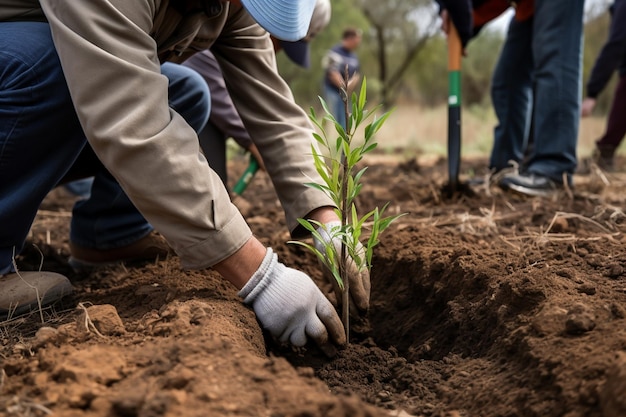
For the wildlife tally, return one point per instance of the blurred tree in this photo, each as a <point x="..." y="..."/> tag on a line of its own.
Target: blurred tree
<point x="429" y="72"/>
<point x="404" y="56"/>
<point x="430" y="69"/>
<point x="596" y="8"/>
<point x="399" y="29"/>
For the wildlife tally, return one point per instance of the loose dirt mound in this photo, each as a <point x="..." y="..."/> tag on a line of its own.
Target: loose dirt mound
<point x="487" y="304"/>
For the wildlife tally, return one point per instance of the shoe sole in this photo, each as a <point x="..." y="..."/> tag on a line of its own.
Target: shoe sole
<point x="531" y="192"/>
<point x="50" y="297"/>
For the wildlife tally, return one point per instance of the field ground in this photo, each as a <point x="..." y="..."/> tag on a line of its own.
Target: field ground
<point x="483" y="305"/>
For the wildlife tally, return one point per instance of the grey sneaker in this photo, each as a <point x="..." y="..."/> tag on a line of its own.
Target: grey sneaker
<point x="23" y="292"/>
<point x="530" y="184"/>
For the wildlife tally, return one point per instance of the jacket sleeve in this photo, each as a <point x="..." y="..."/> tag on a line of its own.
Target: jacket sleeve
<point x="121" y="98"/>
<point x="612" y="54"/>
<point x="278" y="126"/>
<point x="461" y="14"/>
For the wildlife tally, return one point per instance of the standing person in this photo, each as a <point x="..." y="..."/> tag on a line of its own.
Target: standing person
<point x="224" y="120"/>
<point x="535" y="92"/>
<point x="538" y="79"/>
<point x="70" y="76"/>
<point x="612" y="57"/>
<point x="342" y="67"/>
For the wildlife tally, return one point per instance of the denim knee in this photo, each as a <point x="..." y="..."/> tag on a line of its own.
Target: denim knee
<point x="189" y="94"/>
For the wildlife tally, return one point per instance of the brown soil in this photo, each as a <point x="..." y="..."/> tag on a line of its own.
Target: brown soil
<point x="487" y="305"/>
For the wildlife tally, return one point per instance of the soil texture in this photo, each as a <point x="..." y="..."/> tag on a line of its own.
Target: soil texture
<point x="484" y="304"/>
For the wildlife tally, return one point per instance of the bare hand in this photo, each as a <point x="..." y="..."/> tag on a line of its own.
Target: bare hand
<point x="587" y="106"/>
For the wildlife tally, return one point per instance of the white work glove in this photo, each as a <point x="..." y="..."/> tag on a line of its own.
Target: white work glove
<point x="359" y="281"/>
<point x="290" y="306"/>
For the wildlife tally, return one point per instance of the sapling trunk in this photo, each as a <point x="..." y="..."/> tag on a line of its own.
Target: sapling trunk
<point x="345" y="295"/>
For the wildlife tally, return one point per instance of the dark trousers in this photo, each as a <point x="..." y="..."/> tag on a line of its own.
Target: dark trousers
<point x="616" y="124"/>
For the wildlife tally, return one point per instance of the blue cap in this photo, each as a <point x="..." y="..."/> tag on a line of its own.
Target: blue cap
<point x="287" y="20"/>
<point x="299" y="51"/>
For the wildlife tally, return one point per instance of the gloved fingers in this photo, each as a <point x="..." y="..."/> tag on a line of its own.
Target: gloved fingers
<point x="359" y="287"/>
<point x="316" y="330"/>
<point x="298" y="336"/>
<point x="367" y="284"/>
<point x="332" y="323"/>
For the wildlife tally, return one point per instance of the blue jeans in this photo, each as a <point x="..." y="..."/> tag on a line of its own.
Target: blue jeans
<point x="511" y="94"/>
<point x="80" y="188"/>
<point x="42" y="144"/>
<point x="537" y="82"/>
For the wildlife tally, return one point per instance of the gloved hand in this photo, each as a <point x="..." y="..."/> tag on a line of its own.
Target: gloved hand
<point x="358" y="281"/>
<point x="460" y="12"/>
<point x="288" y="304"/>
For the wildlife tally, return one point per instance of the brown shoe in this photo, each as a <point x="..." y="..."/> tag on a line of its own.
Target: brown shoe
<point x="148" y="248"/>
<point x="23" y="292"/>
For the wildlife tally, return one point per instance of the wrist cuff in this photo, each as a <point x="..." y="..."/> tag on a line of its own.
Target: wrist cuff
<point x="257" y="282"/>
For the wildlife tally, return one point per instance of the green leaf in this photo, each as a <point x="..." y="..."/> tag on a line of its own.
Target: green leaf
<point x="370" y="147"/>
<point x="329" y="114"/>
<point x="363" y="93"/>
<point x="359" y="174"/>
<point x="319" y="139"/>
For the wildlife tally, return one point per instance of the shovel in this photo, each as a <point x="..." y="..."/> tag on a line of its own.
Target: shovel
<point x="455" y="51"/>
<point x="246" y="177"/>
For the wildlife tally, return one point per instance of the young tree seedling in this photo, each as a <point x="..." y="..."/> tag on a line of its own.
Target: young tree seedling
<point x="335" y="160"/>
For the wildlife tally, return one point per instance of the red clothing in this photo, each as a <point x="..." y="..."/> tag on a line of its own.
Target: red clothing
<point x="487" y="10"/>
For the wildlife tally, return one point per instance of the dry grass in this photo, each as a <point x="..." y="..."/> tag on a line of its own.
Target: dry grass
<point x="413" y="128"/>
<point x="606" y="223"/>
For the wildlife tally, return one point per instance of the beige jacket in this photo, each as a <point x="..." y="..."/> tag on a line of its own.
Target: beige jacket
<point x="111" y="50"/>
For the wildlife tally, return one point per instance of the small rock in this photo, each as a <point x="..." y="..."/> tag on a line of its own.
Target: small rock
<point x="560" y="225"/>
<point x="128" y="406"/>
<point x="105" y="319"/>
<point x="384" y="396"/>
<point x="614" y="271"/>
<point x="44" y="336"/>
<point x="587" y="289"/>
<point x="582" y="252"/>
<point x="580" y="319"/>
<point x="549" y="320"/>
